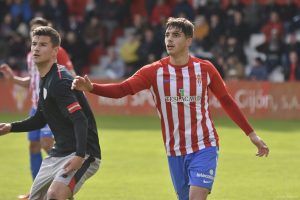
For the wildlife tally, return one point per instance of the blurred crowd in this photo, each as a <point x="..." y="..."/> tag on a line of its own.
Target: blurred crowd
<point x="111" y="39"/>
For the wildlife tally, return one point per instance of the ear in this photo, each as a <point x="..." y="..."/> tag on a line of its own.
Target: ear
<point x="189" y="41"/>
<point x="55" y="50"/>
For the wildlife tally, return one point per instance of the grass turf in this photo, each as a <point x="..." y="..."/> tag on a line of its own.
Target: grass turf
<point x="134" y="165"/>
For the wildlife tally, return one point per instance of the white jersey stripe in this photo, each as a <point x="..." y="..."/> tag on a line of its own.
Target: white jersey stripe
<point x="160" y="88"/>
<point x="173" y="92"/>
<point x="187" y="113"/>
<point x="197" y="68"/>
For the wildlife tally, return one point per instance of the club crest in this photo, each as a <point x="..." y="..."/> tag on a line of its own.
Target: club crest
<point x="44" y="93"/>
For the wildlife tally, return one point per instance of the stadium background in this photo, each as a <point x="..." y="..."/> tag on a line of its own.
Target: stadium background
<point x="111" y="39"/>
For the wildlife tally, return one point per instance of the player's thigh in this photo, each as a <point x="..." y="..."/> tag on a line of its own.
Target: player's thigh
<point x="198" y="193"/>
<point x="43" y="180"/>
<point x="202" y="168"/>
<point x="76" y="179"/>
<point x="179" y="176"/>
<point x="58" y="190"/>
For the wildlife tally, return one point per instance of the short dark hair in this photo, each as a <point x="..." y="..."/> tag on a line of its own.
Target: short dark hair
<point x="39" y="21"/>
<point x="185" y="25"/>
<point x="48" y="31"/>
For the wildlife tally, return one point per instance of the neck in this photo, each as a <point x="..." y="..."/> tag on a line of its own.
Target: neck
<point x="44" y="67"/>
<point x="179" y="59"/>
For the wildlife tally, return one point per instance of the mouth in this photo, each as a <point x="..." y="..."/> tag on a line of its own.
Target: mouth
<point x="36" y="55"/>
<point x="170" y="46"/>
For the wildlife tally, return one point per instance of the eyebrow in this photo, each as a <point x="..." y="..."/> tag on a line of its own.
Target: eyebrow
<point x="176" y="31"/>
<point x="39" y="42"/>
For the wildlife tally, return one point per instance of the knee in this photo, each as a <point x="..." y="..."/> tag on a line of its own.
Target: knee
<point x="52" y="195"/>
<point x="34" y="146"/>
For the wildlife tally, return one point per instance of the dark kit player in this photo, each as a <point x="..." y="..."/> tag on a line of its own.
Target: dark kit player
<point x="76" y="153"/>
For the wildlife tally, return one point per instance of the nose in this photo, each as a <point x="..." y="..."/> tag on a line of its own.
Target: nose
<point x="35" y="48"/>
<point x="169" y="39"/>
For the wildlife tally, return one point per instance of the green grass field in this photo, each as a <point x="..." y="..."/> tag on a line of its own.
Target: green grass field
<point x="134" y="165"/>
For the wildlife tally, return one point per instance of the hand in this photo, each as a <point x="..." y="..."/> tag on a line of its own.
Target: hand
<point x="7" y="71"/>
<point x="4" y="128"/>
<point x="262" y="148"/>
<point x="82" y="83"/>
<point x="73" y="164"/>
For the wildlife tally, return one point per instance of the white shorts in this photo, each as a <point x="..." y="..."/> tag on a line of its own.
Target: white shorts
<point x="52" y="170"/>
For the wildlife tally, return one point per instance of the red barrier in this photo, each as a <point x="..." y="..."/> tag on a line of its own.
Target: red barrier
<point x="256" y="99"/>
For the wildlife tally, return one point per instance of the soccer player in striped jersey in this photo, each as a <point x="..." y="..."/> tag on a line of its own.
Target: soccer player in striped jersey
<point x="180" y="84"/>
<point x="76" y="154"/>
<point x="42" y="138"/>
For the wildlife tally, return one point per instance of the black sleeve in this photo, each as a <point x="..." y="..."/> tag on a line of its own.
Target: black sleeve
<point x="71" y="108"/>
<point x="37" y="121"/>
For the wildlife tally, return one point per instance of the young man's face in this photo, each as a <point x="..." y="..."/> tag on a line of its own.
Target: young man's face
<point x="42" y="49"/>
<point x="176" y="42"/>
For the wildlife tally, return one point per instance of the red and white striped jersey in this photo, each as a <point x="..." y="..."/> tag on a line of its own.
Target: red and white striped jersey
<point x="181" y="97"/>
<point x="62" y="59"/>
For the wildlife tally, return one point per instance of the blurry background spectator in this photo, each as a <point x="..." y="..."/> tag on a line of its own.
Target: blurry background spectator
<point x="258" y="71"/>
<point x="114" y="38"/>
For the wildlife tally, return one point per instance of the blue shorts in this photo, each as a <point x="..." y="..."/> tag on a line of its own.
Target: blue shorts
<point x="36" y="135"/>
<point x="195" y="169"/>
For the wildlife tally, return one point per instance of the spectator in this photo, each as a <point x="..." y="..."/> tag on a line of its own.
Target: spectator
<point x="148" y="51"/>
<point x="273" y="25"/>
<point x="292" y="70"/>
<point x="201" y="31"/>
<point x="161" y="9"/>
<point x="238" y="28"/>
<point x="20" y="10"/>
<point x="234" y="69"/>
<point x="273" y="49"/>
<point x="128" y="52"/>
<point x="258" y="71"/>
<point x="253" y="16"/>
<point x="111" y="66"/>
<point x="183" y="8"/>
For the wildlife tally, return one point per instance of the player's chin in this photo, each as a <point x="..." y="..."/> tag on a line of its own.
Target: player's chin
<point x="170" y="52"/>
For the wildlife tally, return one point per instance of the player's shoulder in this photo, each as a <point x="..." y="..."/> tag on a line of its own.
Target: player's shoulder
<point x="60" y="74"/>
<point x="203" y="62"/>
<point x="152" y="67"/>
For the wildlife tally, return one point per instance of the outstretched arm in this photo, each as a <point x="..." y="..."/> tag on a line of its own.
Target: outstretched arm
<point x="141" y="80"/>
<point x="37" y="121"/>
<point x="112" y="90"/>
<point x="9" y="75"/>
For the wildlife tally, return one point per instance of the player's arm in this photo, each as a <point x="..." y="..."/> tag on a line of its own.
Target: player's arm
<point x="70" y="108"/>
<point x="218" y="88"/>
<point x="37" y="121"/>
<point x="141" y="80"/>
<point x="9" y="75"/>
<point x="112" y="90"/>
